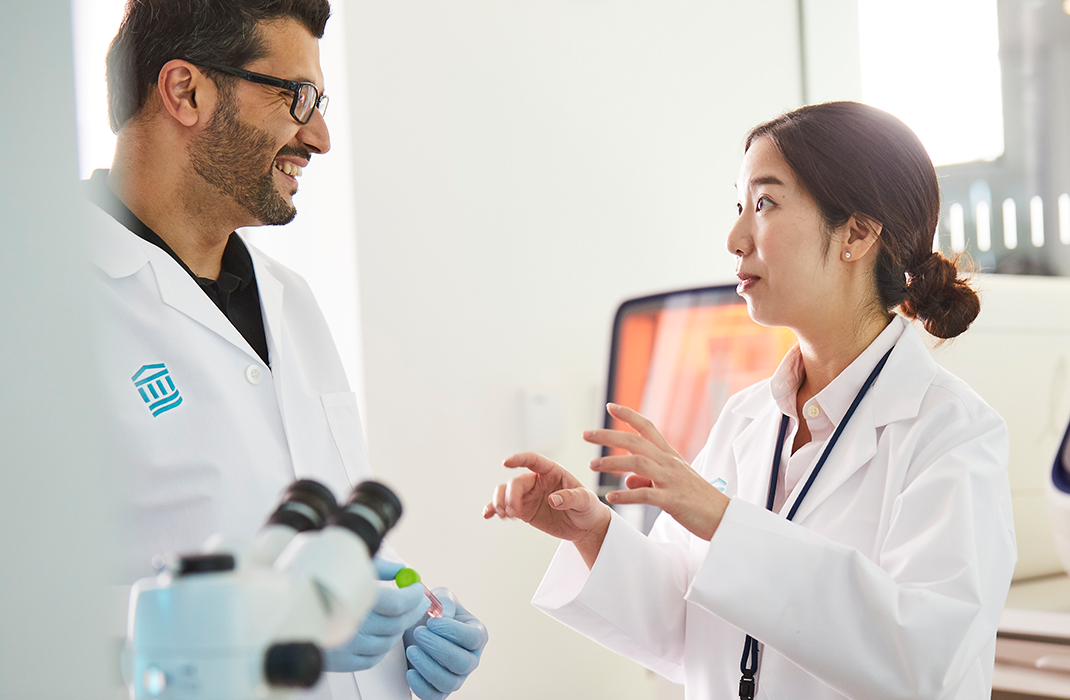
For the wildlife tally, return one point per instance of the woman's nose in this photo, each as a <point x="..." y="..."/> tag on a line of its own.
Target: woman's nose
<point x="738" y="238"/>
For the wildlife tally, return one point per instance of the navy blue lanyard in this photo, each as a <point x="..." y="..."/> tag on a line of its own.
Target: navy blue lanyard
<point x="748" y="665"/>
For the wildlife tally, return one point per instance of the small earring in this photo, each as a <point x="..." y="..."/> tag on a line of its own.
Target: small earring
<point x="847" y="256"/>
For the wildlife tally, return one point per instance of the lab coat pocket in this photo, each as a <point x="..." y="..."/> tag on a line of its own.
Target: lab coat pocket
<point x="344" y="421"/>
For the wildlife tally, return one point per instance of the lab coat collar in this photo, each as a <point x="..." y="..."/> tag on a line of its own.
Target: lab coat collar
<point x="910" y="363"/>
<point x="753" y="450"/>
<point x="895" y="395"/>
<point x="121" y="253"/>
<point x="113" y="248"/>
<point x="271" y="293"/>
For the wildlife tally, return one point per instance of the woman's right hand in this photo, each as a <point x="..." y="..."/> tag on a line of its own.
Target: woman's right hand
<point x="551" y="499"/>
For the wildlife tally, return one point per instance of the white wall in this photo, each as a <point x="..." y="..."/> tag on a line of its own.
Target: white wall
<point x="832" y="51"/>
<point x="54" y="495"/>
<point x="521" y="168"/>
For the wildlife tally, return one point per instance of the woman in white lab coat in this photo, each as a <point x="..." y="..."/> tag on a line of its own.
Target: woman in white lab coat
<point x="863" y="543"/>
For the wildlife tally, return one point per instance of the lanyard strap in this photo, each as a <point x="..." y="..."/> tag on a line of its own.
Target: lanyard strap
<point x="748" y="665"/>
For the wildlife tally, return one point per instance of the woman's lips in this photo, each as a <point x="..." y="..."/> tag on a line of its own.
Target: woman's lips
<point x="745" y="282"/>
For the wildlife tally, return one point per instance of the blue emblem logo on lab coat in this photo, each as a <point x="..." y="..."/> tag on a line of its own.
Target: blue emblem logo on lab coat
<point x="719" y="484"/>
<point x="157" y="389"/>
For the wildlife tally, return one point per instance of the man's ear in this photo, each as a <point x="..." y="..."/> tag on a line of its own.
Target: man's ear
<point x="862" y="235"/>
<point x="188" y="95"/>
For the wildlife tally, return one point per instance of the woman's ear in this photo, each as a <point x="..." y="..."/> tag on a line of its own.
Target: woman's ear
<point x="862" y="235"/>
<point x="187" y="93"/>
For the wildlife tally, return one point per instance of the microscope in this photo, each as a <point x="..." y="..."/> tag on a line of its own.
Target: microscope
<point x="249" y="620"/>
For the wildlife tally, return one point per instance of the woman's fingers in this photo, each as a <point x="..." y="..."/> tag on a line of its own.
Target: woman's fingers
<point x="648" y="495"/>
<point x="634" y="481"/>
<point x="496" y="505"/>
<point x="516" y="492"/>
<point x="530" y="460"/>
<point x="630" y="442"/>
<point x="624" y="464"/>
<point x="508" y="500"/>
<point x="642" y="425"/>
<point x="581" y="507"/>
<point x="580" y="499"/>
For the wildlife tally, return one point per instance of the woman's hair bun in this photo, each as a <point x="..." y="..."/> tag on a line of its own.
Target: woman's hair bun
<point x="937" y="296"/>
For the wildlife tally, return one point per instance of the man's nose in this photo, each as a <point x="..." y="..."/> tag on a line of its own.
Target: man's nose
<point x="315" y="135"/>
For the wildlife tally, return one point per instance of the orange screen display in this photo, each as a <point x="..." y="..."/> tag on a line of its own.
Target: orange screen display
<point x="678" y="357"/>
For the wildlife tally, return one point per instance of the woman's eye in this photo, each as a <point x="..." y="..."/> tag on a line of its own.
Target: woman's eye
<point x="762" y="202"/>
<point x="739" y="209"/>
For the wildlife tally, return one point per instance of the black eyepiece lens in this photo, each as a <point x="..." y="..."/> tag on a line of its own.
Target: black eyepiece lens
<point x="370" y="512"/>
<point x="306" y="505"/>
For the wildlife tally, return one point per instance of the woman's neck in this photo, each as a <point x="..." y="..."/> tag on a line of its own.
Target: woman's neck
<point x="827" y="353"/>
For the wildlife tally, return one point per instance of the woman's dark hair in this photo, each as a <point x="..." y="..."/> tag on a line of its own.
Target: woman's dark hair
<point x="854" y="159"/>
<point x="225" y="32"/>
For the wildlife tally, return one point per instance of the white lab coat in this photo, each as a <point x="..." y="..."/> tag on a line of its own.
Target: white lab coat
<point x="889" y="583"/>
<point x="219" y="460"/>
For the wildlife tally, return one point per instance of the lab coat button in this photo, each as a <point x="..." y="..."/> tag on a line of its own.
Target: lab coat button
<point x="254" y="374"/>
<point x="813" y="410"/>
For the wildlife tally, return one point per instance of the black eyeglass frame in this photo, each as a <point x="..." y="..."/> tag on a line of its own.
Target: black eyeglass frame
<point x="293" y="86"/>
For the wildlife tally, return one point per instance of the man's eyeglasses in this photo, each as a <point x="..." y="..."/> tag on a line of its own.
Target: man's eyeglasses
<point x="306" y="96"/>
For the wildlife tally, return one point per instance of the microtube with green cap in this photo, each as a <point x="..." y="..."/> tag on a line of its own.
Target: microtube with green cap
<point x="407" y="577"/>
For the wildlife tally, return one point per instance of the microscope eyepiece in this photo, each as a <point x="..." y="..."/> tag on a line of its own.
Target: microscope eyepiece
<point x="306" y="505"/>
<point x="293" y="665"/>
<point x="190" y="564"/>
<point x="372" y="509"/>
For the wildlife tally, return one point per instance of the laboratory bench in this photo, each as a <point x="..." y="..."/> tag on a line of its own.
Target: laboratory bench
<point x="1033" y="641"/>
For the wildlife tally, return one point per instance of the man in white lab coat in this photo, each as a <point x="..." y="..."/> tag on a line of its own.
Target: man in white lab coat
<point x="225" y="380"/>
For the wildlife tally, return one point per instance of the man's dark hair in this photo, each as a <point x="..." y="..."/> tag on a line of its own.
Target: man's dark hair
<point x="226" y="32"/>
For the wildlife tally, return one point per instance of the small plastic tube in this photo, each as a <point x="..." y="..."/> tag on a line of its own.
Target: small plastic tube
<point x="407" y="577"/>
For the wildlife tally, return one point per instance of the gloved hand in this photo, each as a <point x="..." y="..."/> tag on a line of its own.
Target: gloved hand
<point x="443" y="651"/>
<point x="396" y="610"/>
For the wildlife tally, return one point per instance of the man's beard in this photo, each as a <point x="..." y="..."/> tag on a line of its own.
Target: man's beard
<point x="229" y="155"/>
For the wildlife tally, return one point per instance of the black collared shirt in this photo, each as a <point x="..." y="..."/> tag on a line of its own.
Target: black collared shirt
<point x="235" y="292"/>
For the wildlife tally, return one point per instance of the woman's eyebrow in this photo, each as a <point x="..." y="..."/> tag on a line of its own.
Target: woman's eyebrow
<point x="764" y="180"/>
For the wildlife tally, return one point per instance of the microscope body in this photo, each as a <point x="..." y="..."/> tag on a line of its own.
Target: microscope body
<point x="248" y="621"/>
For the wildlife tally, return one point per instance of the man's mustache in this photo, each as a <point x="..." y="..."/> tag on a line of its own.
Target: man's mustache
<point x="295" y="151"/>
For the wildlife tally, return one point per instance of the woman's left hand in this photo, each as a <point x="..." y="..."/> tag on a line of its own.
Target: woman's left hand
<point x="657" y="474"/>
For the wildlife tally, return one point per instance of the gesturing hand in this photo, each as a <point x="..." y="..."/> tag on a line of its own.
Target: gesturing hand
<point x="550" y="499"/>
<point x="657" y="474"/>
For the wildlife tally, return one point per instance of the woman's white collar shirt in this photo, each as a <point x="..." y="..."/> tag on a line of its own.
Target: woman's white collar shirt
<point x="824" y="411"/>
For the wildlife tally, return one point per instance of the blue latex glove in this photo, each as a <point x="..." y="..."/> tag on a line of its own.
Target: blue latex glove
<point x="444" y="651"/>
<point x="396" y="610"/>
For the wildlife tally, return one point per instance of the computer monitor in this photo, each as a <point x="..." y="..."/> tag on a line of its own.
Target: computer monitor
<point x="677" y="357"/>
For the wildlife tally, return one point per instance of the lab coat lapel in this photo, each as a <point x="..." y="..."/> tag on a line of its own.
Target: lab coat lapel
<point x="120" y="253"/>
<point x="856" y="447"/>
<point x="180" y="291"/>
<point x="753" y="450"/>
<point x="112" y="247"/>
<point x="271" y="293"/>
<point x="284" y="373"/>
